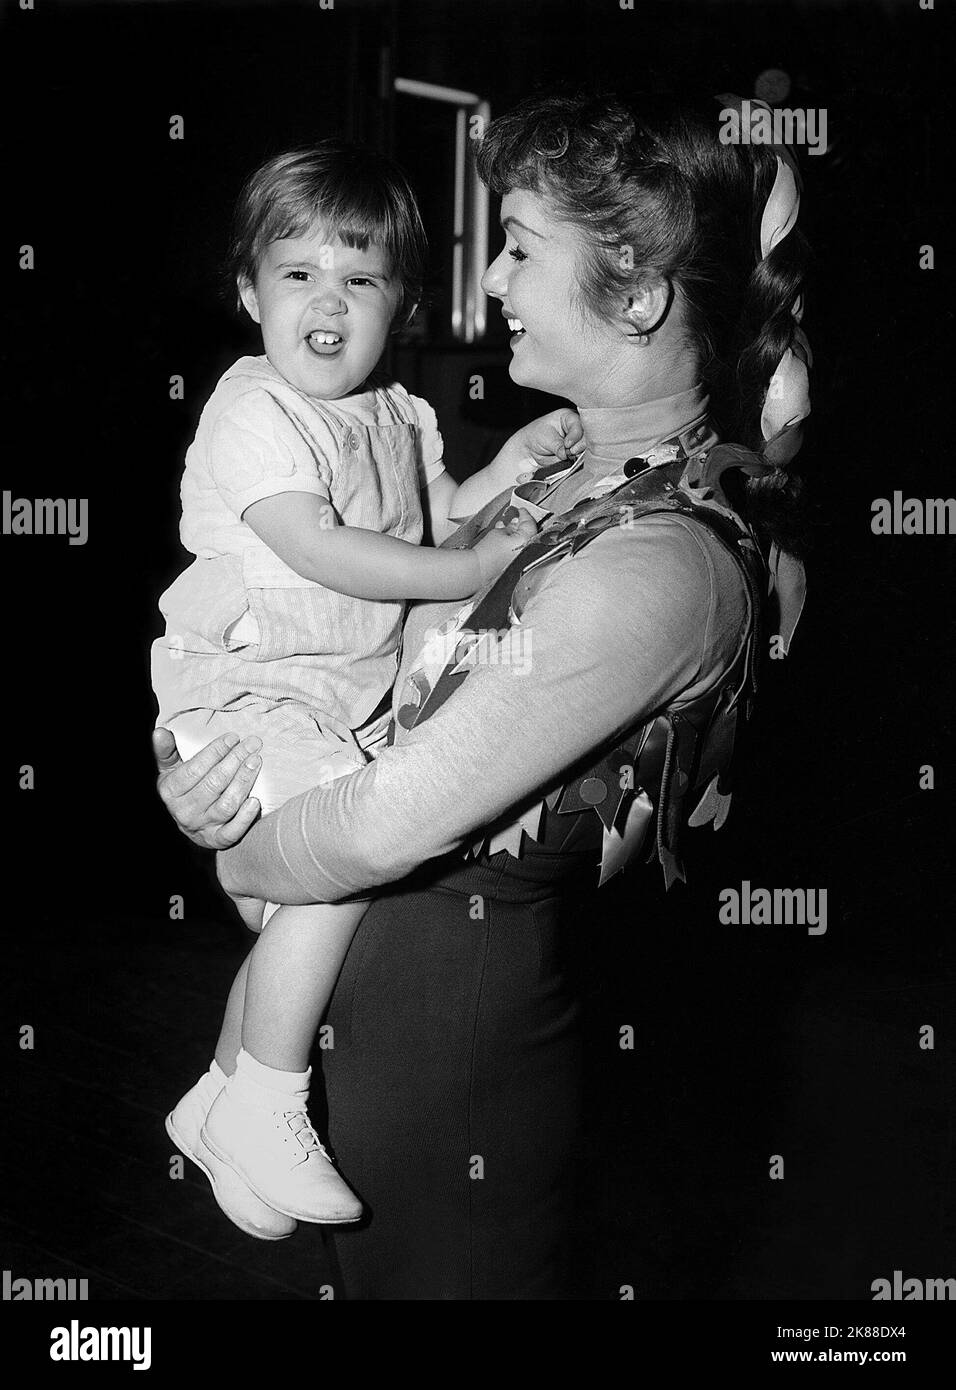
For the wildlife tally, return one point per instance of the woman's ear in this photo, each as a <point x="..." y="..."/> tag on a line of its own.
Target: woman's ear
<point x="646" y="307"/>
<point x="248" y="298"/>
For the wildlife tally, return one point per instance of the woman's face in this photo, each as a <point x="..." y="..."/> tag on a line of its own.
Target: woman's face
<point x="559" y="345"/>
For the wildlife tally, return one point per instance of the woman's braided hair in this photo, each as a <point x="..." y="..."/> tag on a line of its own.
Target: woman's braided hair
<point x="655" y="191"/>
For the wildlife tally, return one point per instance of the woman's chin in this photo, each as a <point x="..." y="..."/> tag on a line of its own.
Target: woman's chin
<point x="523" y="372"/>
<point x="522" y="375"/>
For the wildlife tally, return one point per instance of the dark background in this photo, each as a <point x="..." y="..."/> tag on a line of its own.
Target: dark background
<point x="749" y="1041"/>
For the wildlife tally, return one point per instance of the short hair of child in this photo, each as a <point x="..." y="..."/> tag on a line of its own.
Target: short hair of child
<point x="358" y="195"/>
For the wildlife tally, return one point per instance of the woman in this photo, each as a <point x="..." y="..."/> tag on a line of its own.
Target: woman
<point x="652" y="276"/>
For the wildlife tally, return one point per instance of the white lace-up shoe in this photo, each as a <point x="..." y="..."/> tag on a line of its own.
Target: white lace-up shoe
<point x="244" y="1209"/>
<point x="278" y="1154"/>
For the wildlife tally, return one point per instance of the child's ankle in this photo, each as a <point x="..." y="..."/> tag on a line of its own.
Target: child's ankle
<point x="268" y="1088"/>
<point x="218" y="1073"/>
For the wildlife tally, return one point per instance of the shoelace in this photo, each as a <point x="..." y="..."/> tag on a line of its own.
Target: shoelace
<point x="303" y="1132"/>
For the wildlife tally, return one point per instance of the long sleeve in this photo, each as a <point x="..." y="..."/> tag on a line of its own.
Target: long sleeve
<point x="635" y="620"/>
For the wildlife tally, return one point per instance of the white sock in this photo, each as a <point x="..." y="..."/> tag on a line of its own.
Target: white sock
<point x="267" y="1088"/>
<point x="211" y="1083"/>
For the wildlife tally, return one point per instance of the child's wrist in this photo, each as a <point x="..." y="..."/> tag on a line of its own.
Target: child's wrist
<point x="486" y="572"/>
<point x="516" y="449"/>
<point x="472" y="569"/>
<point x="516" y="459"/>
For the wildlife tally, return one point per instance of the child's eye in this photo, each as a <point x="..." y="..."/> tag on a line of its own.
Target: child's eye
<point x="517" y="254"/>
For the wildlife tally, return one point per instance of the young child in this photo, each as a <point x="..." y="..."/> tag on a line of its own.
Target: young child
<point x="302" y="502"/>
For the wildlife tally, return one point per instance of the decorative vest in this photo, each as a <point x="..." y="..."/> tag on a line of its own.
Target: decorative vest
<point x="674" y="767"/>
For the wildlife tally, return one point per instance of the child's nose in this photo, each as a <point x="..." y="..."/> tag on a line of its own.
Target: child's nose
<point x="329" y="301"/>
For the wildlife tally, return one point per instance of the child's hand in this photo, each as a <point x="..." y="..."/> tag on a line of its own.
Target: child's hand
<point x="557" y="437"/>
<point x="498" y="547"/>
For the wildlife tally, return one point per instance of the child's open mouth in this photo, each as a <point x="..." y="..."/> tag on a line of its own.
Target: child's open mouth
<point x="325" y="344"/>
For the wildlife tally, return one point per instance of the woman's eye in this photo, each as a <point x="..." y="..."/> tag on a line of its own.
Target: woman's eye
<point x="360" y="280"/>
<point x="298" y="275"/>
<point x="517" y="254"/>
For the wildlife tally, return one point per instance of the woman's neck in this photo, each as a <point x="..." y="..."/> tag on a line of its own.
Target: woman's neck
<point x="615" y="434"/>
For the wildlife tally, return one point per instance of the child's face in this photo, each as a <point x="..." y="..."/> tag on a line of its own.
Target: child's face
<point x="325" y="311"/>
<point x="561" y="347"/>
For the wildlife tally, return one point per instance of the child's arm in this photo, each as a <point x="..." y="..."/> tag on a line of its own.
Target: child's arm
<point x="554" y="436"/>
<point x="304" y="531"/>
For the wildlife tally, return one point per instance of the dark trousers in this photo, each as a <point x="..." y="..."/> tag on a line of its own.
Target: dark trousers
<point x="453" y="1086"/>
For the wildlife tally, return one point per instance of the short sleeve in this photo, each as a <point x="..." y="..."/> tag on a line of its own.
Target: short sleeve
<point x="258" y="449"/>
<point x="431" y="451"/>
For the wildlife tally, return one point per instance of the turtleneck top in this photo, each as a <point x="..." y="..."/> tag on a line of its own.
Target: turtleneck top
<point x="616" y="434"/>
<point x="642" y="617"/>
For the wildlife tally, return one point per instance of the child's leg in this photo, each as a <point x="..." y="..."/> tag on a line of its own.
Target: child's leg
<point x="259" y="1124"/>
<point x="301" y="972"/>
<point x="291" y="975"/>
<point x="185" y="1121"/>
<point x="298" y="997"/>
<point x="295" y="755"/>
<point x="230" y="1034"/>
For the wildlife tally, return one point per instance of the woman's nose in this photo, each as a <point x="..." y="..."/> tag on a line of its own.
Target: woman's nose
<point x="495" y="279"/>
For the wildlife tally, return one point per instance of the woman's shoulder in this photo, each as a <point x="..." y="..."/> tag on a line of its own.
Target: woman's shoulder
<point x="664" y="579"/>
<point x="666" y="552"/>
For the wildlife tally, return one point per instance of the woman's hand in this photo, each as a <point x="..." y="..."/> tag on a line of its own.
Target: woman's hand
<point x="208" y="796"/>
<point x="551" y="438"/>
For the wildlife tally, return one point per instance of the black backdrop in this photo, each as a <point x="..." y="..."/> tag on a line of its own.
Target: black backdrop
<point x="749" y="1041"/>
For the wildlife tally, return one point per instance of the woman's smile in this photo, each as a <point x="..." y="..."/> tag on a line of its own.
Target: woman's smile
<point x="557" y="345"/>
<point x="517" y="328"/>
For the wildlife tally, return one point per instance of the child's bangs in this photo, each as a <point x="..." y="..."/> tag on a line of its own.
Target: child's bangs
<point x="354" y="221"/>
<point x="337" y="194"/>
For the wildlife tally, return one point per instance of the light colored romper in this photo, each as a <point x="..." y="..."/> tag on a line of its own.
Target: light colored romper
<point x="250" y="646"/>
